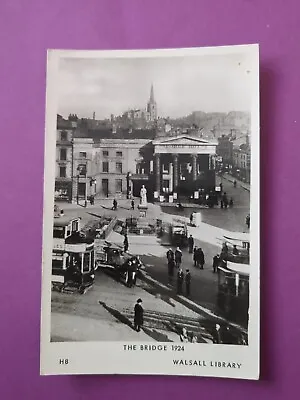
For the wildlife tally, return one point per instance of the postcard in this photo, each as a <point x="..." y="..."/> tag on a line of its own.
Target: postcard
<point x="151" y="236"/>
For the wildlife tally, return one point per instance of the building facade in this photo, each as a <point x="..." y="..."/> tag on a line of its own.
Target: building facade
<point x="64" y="158"/>
<point x="225" y="150"/>
<point x="183" y="165"/>
<point x="109" y="163"/>
<point x="242" y="162"/>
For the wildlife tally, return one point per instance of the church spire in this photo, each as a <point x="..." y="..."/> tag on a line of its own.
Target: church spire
<point x="152" y="95"/>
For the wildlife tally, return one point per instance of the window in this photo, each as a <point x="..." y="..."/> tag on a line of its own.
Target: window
<point x="165" y="168"/>
<point x="105" y="166"/>
<point x="59" y="232"/>
<point x="119" y="154"/>
<point x="119" y="185"/>
<point x="62" y="172"/>
<point x="63" y="154"/>
<point x="82" y="154"/>
<point x="86" y="262"/>
<point x="105" y="153"/>
<point x="64" y="135"/>
<point x="119" y="167"/>
<point x="81" y="170"/>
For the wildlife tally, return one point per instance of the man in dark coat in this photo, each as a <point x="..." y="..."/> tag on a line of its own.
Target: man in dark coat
<point x="188" y="283"/>
<point x="178" y="257"/>
<point x="132" y="204"/>
<point x="216" y="262"/>
<point x="191" y="243"/>
<point x="170" y="255"/>
<point x="115" y="204"/>
<point x="225" y="200"/>
<point x="195" y="256"/>
<point x="171" y="267"/>
<point x="125" y="243"/>
<point x="248" y="221"/>
<point x="200" y="258"/>
<point x="180" y="279"/>
<point x="138" y="315"/>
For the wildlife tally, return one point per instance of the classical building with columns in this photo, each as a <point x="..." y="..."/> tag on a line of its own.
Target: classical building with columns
<point x="183" y="165"/>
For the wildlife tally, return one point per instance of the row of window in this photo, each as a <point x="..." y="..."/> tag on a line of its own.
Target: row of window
<point x="105" y="153"/>
<point x="82" y="171"/>
<point x="119" y="167"/>
<point x="82" y="154"/>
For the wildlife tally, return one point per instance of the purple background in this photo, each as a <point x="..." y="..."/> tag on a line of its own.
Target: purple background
<point x="27" y="29"/>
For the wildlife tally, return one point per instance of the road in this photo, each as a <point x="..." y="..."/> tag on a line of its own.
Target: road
<point x="204" y="282"/>
<point x="105" y="313"/>
<point x="232" y="219"/>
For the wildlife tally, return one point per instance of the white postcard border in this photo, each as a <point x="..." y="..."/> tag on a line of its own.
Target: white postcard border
<point x="110" y="357"/>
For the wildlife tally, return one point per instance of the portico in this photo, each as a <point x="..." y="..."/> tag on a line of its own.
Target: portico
<point x="183" y="164"/>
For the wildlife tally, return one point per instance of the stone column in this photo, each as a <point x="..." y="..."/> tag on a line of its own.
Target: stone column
<point x="194" y="165"/>
<point x="175" y="171"/>
<point x="212" y="163"/>
<point x="157" y="173"/>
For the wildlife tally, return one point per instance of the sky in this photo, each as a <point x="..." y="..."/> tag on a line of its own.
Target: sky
<point x="209" y="83"/>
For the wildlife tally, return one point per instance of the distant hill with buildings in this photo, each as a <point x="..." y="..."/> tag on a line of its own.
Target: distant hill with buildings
<point x="235" y="122"/>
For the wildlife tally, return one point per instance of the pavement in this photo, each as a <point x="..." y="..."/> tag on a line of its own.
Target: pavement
<point x="105" y="313"/>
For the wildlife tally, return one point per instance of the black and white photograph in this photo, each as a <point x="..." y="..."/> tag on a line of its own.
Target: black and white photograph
<point x="151" y="212"/>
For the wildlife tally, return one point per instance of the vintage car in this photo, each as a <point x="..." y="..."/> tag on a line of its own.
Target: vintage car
<point x="121" y="265"/>
<point x="178" y="235"/>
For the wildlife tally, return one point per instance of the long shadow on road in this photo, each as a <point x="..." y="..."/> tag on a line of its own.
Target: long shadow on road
<point x="158" y="336"/>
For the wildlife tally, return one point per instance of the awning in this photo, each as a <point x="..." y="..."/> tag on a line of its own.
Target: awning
<point x="238" y="236"/>
<point x="242" y="269"/>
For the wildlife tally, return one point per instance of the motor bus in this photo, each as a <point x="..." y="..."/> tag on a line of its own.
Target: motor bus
<point x="236" y="248"/>
<point x="233" y="291"/>
<point x="73" y="256"/>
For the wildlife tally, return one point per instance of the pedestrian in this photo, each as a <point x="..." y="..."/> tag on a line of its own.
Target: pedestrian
<point x="92" y="200"/>
<point x="178" y="257"/>
<point x="195" y="256"/>
<point x="191" y="243"/>
<point x="221" y="202"/>
<point x="184" y="336"/>
<point x="132" y="204"/>
<point x="248" y="221"/>
<point x="194" y="339"/>
<point x="235" y="250"/>
<point x="115" y="204"/>
<point x="234" y="183"/>
<point x="171" y="267"/>
<point x="188" y="282"/>
<point x="217" y="334"/>
<point x="200" y="258"/>
<point x="129" y="274"/>
<point x="231" y="202"/>
<point x="138" y="315"/>
<point x="221" y="187"/>
<point x="170" y="255"/>
<point x="180" y="279"/>
<point x="225" y="200"/>
<point x="125" y="243"/>
<point x="191" y="219"/>
<point x="216" y="262"/>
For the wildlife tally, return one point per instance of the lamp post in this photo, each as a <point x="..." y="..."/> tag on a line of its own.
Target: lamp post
<point x="77" y="188"/>
<point x="128" y="184"/>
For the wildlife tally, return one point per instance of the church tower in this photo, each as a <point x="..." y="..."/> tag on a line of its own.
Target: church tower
<point x="151" y="106"/>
